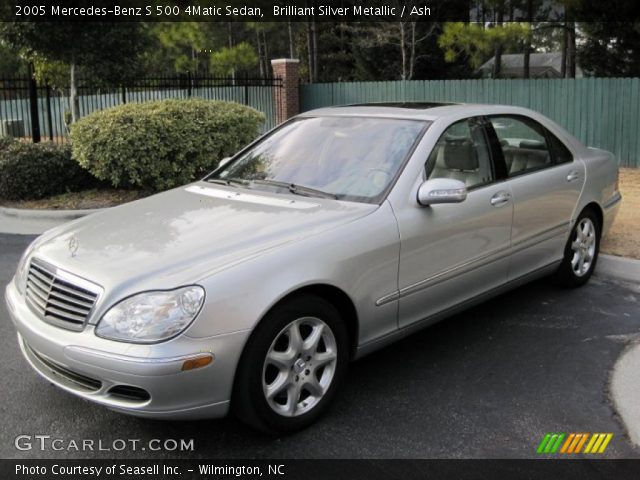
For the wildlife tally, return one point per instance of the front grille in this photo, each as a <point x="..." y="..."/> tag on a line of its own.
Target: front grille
<point x="59" y="298"/>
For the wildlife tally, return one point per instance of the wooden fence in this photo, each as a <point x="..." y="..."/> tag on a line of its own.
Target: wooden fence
<point x="601" y="112"/>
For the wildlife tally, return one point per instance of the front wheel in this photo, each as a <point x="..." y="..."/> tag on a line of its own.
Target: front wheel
<point x="291" y="365"/>
<point x="581" y="251"/>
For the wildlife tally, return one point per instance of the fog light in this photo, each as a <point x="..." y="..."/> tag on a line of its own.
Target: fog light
<point x="197" y="362"/>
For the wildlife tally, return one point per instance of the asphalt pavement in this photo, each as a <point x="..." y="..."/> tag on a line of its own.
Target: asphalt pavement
<point x="487" y="383"/>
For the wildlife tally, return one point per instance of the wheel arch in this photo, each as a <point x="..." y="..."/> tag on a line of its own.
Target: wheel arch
<point x="343" y="303"/>
<point x="597" y="209"/>
<point x="338" y="298"/>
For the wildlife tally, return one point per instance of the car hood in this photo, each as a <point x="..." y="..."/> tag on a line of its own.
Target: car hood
<point x="182" y="235"/>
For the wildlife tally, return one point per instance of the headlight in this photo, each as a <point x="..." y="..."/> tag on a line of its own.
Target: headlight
<point x="152" y="316"/>
<point x="23" y="268"/>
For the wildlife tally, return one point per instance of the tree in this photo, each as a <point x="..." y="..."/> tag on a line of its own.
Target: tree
<point x="230" y="60"/>
<point x="104" y="49"/>
<point x="478" y="44"/>
<point x="610" y="47"/>
<point x="11" y="64"/>
<point x="182" y="43"/>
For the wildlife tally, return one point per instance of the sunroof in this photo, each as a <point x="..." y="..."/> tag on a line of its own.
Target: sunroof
<point x="411" y="105"/>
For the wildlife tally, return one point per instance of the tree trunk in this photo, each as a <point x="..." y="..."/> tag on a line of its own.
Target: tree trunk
<point x="73" y="95"/>
<point x="291" y="49"/>
<point x="230" y="39"/>
<point x="265" y="47"/>
<point x="403" y="53"/>
<point x="309" y="54"/>
<point x="527" y="42"/>
<point x="260" y="62"/>
<point x="497" y="64"/>
<point x="314" y="37"/>
<point x="526" y="60"/>
<point x="571" y="50"/>
<point x="412" y="56"/>
<point x="565" y="46"/>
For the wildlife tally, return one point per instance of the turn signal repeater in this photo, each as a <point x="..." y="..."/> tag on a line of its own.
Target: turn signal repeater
<point x="197" y="362"/>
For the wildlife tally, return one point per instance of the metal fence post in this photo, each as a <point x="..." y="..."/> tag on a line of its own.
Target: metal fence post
<point x="189" y="84"/>
<point x="124" y="94"/>
<point x="33" y="103"/>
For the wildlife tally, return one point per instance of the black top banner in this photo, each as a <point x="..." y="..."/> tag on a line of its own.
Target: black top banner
<point x="307" y="10"/>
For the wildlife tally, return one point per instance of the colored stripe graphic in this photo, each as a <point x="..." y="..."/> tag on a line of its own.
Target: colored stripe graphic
<point x="574" y="442"/>
<point x="598" y="442"/>
<point x="550" y="443"/>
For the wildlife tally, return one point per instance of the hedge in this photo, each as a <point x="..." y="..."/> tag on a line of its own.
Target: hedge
<point x="29" y="171"/>
<point x="160" y="145"/>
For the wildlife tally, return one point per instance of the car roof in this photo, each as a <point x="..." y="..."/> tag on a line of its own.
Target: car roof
<point x="429" y="111"/>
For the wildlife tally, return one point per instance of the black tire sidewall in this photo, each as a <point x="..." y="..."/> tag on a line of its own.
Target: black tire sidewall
<point x="248" y="397"/>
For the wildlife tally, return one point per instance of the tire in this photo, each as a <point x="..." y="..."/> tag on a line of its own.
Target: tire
<point x="285" y="381"/>
<point x="581" y="251"/>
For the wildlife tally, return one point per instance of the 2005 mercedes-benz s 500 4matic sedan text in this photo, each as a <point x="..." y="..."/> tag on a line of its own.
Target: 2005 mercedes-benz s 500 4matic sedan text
<point x="329" y="237"/>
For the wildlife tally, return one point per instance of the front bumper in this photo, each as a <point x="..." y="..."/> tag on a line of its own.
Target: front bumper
<point x="142" y="380"/>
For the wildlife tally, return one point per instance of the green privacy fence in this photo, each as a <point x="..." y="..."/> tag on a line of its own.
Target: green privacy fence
<point x="601" y="112"/>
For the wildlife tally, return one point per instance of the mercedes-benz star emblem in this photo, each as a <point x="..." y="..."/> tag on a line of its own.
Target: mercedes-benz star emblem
<point x="73" y="245"/>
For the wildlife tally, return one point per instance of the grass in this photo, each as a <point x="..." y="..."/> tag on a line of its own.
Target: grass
<point x="624" y="237"/>
<point x="96" y="198"/>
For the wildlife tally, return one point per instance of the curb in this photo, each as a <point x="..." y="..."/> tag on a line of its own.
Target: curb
<point x="625" y="390"/>
<point x="619" y="268"/>
<point x="19" y="213"/>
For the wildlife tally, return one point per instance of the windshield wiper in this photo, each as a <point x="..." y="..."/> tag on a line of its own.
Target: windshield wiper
<point x="297" y="189"/>
<point x="230" y="182"/>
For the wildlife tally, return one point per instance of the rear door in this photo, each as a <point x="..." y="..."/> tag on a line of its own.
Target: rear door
<point x="545" y="182"/>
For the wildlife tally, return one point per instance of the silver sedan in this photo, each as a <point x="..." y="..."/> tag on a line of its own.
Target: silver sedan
<point x="340" y="231"/>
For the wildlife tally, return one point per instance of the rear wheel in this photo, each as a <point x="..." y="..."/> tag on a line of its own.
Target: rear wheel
<point x="581" y="251"/>
<point x="291" y="365"/>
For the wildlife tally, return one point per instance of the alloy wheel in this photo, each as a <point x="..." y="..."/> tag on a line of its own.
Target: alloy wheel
<point x="583" y="247"/>
<point x="299" y="367"/>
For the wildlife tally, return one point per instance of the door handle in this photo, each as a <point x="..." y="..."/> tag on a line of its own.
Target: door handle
<point x="500" y="198"/>
<point x="573" y="175"/>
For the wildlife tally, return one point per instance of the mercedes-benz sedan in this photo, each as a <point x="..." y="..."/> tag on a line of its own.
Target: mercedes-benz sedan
<point x="338" y="232"/>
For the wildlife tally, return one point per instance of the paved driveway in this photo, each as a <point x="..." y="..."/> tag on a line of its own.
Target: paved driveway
<point x="487" y="383"/>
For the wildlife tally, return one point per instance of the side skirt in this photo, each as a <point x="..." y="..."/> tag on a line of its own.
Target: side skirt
<point x="379" y="343"/>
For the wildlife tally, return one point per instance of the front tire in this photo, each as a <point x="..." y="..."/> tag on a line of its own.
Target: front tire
<point x="581" y="251"/>
<point x="291" y="365"/>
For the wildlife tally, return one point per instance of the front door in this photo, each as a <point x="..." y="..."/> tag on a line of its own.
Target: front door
<point x="453" y="252"/>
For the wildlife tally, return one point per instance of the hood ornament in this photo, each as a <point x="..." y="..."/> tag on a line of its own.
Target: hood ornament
<point x="73" y="245"/>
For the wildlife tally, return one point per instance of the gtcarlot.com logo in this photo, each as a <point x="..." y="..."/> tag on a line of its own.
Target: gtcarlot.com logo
<point x="574" y="443"/>
<point x="47" y="442"/>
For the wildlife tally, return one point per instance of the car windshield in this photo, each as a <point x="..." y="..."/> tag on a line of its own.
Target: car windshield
<point x="347" y="158"/>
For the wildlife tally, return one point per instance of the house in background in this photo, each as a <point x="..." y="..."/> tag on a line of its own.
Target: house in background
<point x="541" y="65"/>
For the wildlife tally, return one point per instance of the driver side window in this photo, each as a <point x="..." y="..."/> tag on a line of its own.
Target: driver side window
<point x="462" y="153"/>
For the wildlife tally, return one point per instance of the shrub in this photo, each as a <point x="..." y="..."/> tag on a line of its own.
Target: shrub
<point x="29" y="171"/>
<point x="6" y="142"/>
<point x="164" y="144"/>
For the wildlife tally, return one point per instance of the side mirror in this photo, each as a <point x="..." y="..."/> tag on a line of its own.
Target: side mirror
<point x="224" y="161"/>
<point x="441" y="190"/>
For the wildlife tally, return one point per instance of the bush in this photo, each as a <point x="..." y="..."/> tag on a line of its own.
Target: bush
<point x="29" y="171"/>
<point x="164" y="144"/>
